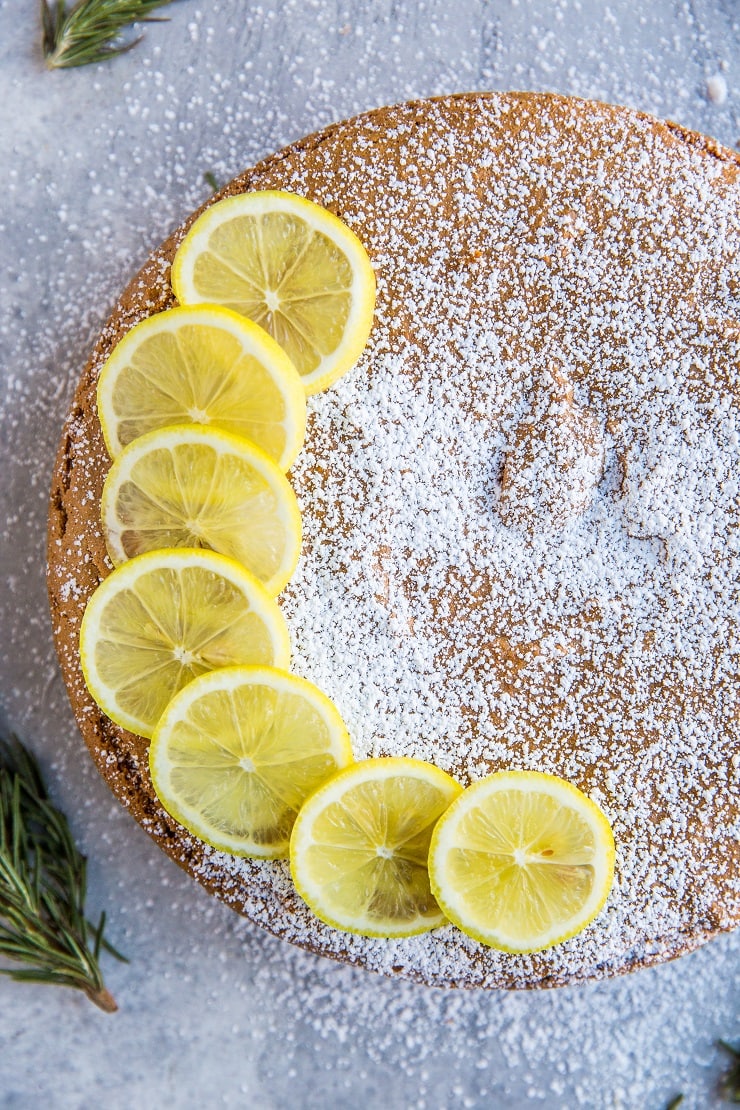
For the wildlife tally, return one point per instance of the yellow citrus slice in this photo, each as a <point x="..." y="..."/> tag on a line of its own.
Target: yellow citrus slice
<point x="202" y="365"/>
<point x="188" y="486"/>
<point x="239" y="750"/>
<point x="522" y="861"/>
<point x="292" y="267"/>
<point x="164" y="618"/>
<point x="358" y="853"/>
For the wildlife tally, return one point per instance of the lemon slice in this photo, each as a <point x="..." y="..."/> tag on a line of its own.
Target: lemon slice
<point x="188" y="486"/>
<point x="358" y="853"/>
<point x="202" y="365"/>
<point x="292" y="267"/>
<point x="522" y="861"/>
<point x="164" y="618"/>
<point x="239" y="750"/>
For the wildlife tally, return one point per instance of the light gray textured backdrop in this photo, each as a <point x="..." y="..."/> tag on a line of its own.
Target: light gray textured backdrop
<point x="97" y="165"/>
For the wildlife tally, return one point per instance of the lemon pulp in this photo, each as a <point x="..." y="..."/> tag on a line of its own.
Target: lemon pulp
<point x="359" y="847"/>
<point x="202" y="365"/>
<point x="293" y="268"/>
<point x="239" y="750"/>
<point x="162" y="619"/>
<point x="193" y="487"/>
<point x="522" y="860"/>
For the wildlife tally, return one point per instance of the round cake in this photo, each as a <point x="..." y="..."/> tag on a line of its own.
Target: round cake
<point x="520" y="508"/>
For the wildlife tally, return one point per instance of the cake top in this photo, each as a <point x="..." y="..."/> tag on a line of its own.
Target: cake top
<point x="520" y="509"/>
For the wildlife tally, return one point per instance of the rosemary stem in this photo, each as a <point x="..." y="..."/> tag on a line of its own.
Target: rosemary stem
<point x="43" y="925"/>
<point x="103" y="999"/>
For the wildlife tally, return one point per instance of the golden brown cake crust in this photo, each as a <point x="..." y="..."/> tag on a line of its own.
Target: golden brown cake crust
<point x="514" y="237"/>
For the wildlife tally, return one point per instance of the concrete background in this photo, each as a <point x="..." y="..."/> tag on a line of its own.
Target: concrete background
<point x="98" y="165"/>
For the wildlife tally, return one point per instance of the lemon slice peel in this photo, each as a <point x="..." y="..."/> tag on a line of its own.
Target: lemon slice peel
<point x="522" y="861"/>
<point x="202" y="364"/>
<point x="361" y="865"/>
<point x="190" y="486"/>
<point x="142" y="638"/>
<point x="238" y="750"/>
<point x="325" y="321"/>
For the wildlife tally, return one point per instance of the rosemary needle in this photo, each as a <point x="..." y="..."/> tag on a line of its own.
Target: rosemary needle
<point x="43" y="887"/>
<point x="91" y="30"/>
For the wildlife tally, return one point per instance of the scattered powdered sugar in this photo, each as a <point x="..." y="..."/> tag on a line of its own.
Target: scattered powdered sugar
<point x="717" y="88"/>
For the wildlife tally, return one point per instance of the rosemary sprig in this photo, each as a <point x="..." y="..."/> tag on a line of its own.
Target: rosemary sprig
<point x="43" y="887"/>
<point x="730" y="1085"/>
<point x="91" y="30"/>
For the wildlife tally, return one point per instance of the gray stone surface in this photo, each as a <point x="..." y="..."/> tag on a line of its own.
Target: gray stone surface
<point x="98" y="165"/>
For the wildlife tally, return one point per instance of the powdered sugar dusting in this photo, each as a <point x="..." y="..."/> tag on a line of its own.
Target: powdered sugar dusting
<point x="599" y="643"/>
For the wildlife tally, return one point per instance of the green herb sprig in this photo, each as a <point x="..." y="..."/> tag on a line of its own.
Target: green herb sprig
<point x="43" y="887"/>
<point x="730" y="1085"/>
<point x="91" y="30"/>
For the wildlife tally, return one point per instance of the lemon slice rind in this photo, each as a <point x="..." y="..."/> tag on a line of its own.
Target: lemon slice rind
<point x="318" y="219"/>
<point x="270" y="375"/>
<point x="197" y="703"/>
<point x="448" y="837"/>
<point x="189" y="501"/>
<point x="338" y="790"/>
<point x="141" y="647"/>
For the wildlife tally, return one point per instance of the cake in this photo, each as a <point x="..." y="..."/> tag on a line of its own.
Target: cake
<point x="520" y="508"/>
